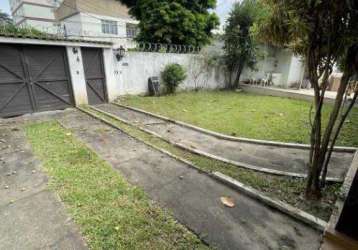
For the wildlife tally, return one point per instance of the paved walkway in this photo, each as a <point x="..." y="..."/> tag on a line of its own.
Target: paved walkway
<point x="31" y="217"/>
<point x="194" y="198"/>
<point x="291" y="160"/>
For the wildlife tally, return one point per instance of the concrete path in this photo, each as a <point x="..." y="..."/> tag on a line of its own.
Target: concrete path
<point x="31" y="217"/>
<point x="280" y="159"/>
<point x="193" y="197"/>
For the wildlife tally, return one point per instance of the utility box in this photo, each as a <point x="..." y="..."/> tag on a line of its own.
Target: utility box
<point x="154" y="86"/>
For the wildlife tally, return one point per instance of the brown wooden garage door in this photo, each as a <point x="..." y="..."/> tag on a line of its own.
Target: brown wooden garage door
<point x="33" y="79"/>
<point x="95" y="77"/>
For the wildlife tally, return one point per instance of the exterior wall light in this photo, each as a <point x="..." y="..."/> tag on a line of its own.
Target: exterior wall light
<point x="120" y="53"/>
<point x="75" y="50"/>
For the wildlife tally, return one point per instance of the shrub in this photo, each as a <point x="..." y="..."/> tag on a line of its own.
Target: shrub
<point x="173" y="75"/>
<point x="12" y="29"/>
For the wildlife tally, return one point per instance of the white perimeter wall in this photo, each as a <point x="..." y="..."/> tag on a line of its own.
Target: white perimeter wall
<point x="133" y="71"/>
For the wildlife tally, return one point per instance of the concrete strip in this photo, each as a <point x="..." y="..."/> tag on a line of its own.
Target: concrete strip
<point x="233" y="138"/>
<point x="192" y="197"/>
<point x="277" y="158"/>
<point x="31" y="216"/>
<point x="202" y="153"/>
<point x="283" y="207"/>
<point x="145" y="142"/>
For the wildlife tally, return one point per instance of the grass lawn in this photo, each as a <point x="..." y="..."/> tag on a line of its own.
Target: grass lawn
<point x="243" y="115"/>
<point x="111" y="213"/>
<point x="286" y="189"/>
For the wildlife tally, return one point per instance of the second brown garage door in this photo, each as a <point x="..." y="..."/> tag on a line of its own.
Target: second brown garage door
<point x="95" y="77"/>
<point x="32" y="79"/>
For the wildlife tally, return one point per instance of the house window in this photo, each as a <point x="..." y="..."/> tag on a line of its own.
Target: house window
<point x="109" y="27"/>
<point x="131" y="30"/>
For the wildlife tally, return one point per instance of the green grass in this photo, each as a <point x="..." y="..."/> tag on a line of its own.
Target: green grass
<point x="244" y="115"/>
<point x="286" y="189"/>
<point x="111" y="213"/>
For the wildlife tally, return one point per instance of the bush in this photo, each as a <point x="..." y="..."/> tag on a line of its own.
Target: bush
<point x="12" y="29"/>
<point x="173" y="75"/>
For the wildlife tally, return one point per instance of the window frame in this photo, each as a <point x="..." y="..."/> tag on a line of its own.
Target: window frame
<point x="109" y="27"/>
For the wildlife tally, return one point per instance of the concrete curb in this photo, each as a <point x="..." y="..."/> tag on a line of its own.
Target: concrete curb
<point x="232" y="138"/>
<point x="218" y="158"/>
<point x="226" y="180"/>
<point x="279" y="205"/>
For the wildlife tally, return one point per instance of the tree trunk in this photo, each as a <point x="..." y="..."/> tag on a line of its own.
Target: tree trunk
<point x="351" y="68"/>
<point x="230" y="79"/>
<point x="238" y="75"/>
<point x="318" y="153"/>
<point x="313" y="190"/>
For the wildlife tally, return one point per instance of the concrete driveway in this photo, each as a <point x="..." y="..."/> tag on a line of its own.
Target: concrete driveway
<point x="194" y="198"/>
<point x="34" y="218"/>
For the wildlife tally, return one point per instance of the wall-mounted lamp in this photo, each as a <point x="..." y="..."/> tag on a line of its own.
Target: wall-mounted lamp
<point x="120" y="53"/>
<point x="74" y="50"/>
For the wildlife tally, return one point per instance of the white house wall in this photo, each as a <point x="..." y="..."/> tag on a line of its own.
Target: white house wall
<point x="283" y="66"/>
<point x="77" y="73"/>
<point x="29" y="13"/>
<point x="38" y="11"/>
<point x="263" y="66"/>
<point x="113" y="89"/>
<point x="282" y="62"/>
<point x="296" y="71"/>
<point x="73" y="25"/>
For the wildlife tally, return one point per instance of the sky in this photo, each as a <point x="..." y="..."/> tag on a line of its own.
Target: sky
<point x="222" y="10"/>
<point x="4" y="6"/>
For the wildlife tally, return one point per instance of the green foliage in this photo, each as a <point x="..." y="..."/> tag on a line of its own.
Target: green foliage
<point x="4" y="18"/>
<point x="240" y="47"/>
<point x="11" y="29"/>
<point x="172" y="76"/>
<point x="174" y="22"/>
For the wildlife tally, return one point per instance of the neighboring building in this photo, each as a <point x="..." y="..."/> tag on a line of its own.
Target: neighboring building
<point x="287" y="69"/>
<point x="97" y="19"/>
<point x="35" y="13"/>
<point x="104" y="20"/>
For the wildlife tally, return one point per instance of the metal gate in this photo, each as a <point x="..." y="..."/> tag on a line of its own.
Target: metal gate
<point x="33" y="79"/>
<point x="95" y="77"/>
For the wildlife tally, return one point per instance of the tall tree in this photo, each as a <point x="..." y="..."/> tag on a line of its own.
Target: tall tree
<point x="174" y="22"/>
<point x="323" y="32"/>
<point x="240" y="48"/>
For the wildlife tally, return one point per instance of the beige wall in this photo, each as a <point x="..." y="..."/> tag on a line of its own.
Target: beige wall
<point x="99" y="7"/>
